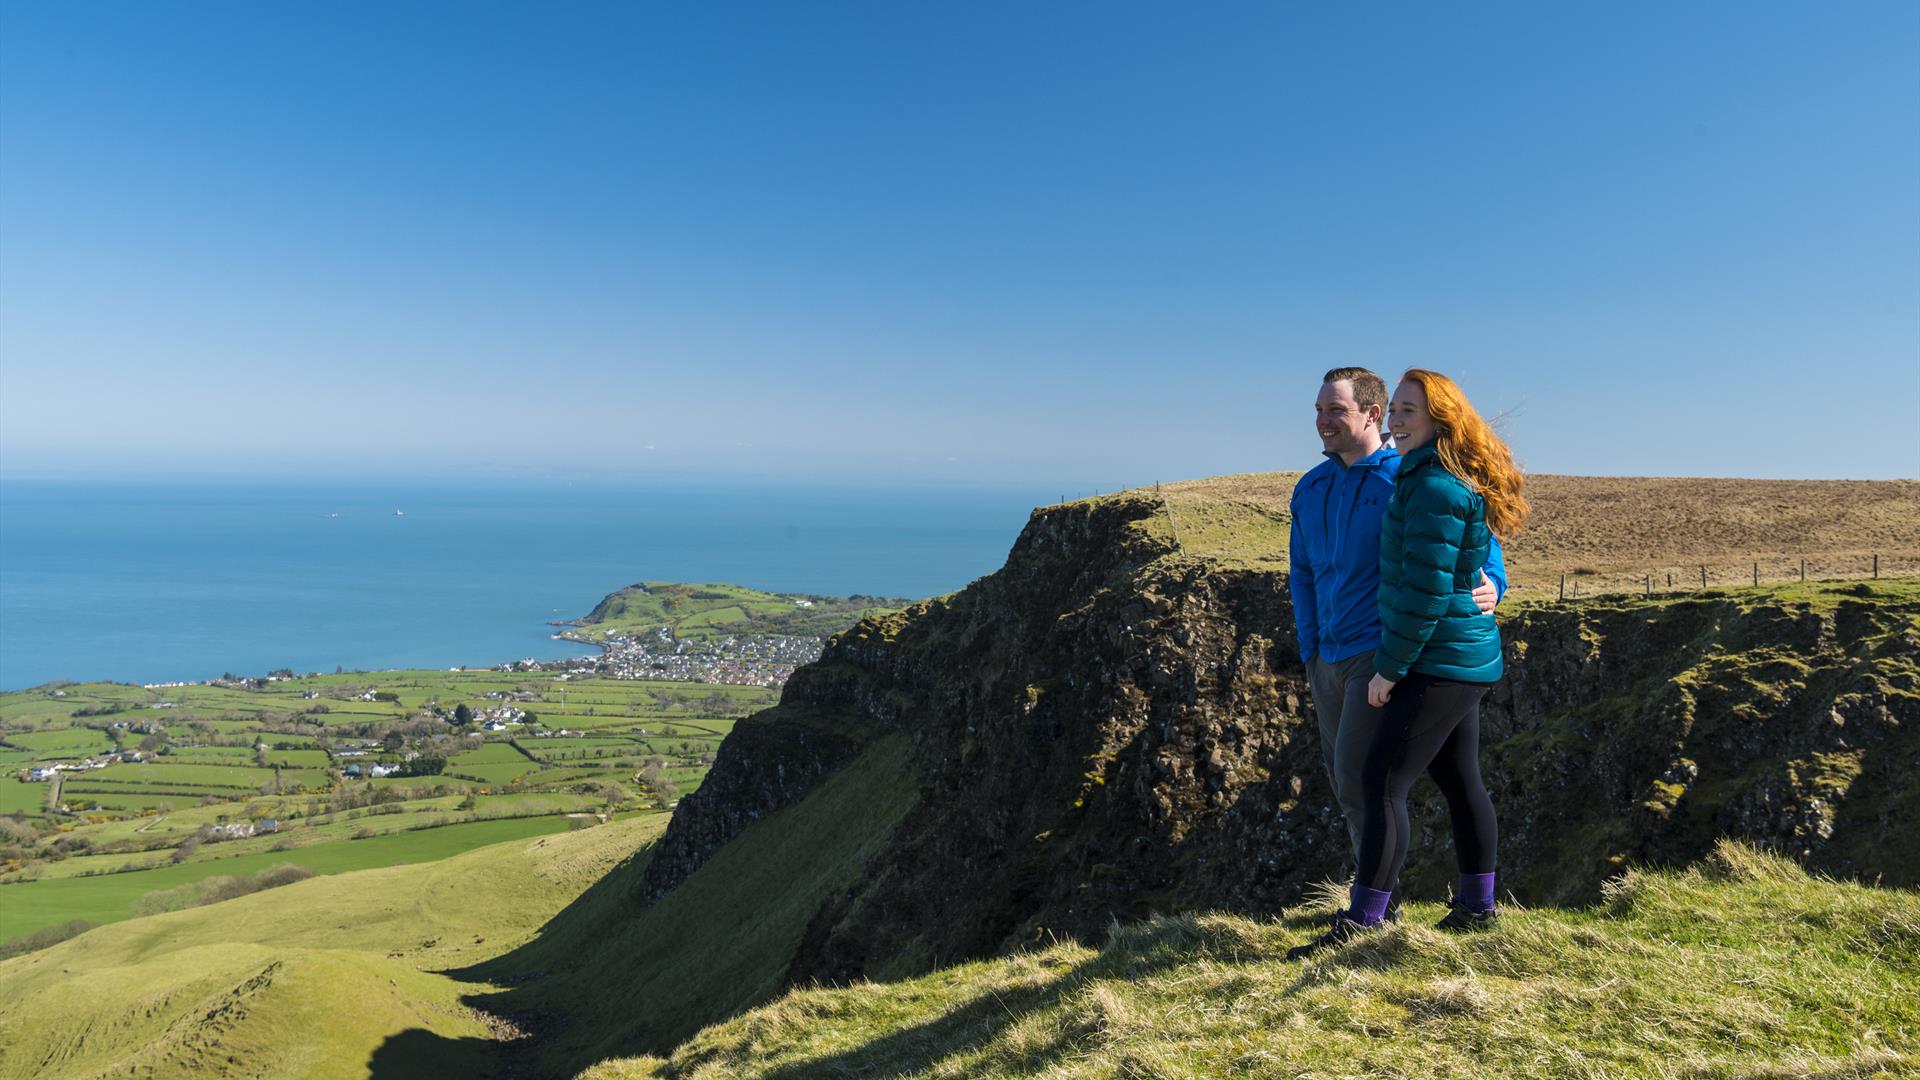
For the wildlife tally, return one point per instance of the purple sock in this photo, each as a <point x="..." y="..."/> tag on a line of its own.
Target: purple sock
<point x="1476" y="892"/>
<point x="1368" y="906"/>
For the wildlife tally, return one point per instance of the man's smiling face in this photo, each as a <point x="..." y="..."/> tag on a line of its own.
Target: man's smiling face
<point x="1345" y="428"/>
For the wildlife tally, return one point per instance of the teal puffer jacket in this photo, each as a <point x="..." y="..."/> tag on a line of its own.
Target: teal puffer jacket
<point x="1432" y="544"/>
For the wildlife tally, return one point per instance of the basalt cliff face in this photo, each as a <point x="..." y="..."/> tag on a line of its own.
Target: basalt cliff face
<point x="1107" y="727"/>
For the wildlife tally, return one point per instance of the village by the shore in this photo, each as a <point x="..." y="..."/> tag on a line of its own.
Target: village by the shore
<point x="736" y="659"/>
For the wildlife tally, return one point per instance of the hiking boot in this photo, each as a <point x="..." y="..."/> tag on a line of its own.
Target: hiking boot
<point x="1460" y="920"/>
<point x="1342" y="931"/>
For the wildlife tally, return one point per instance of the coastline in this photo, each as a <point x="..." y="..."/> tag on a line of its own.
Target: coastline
<point x="182" y="581"/>
<point x="63" y="680"/>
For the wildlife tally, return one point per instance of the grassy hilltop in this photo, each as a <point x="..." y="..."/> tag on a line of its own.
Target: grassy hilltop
<point x="1744" y="967"/>
<point x="698" y="612"/>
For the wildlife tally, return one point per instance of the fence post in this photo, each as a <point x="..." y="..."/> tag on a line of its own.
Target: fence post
<point x="1703" y="577"/>
<point x="1669" y="579"/>
<point x="1756" y="573"/>
<point x="1803" y="569"/>
<point x="1876" y="567"/>
<point x="1171" y="520"/>
<point x="1649" y="584"/>
<point x="1563" y="586"/>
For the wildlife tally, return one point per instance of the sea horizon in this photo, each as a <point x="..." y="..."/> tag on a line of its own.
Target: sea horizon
<point x="179" y="580"/>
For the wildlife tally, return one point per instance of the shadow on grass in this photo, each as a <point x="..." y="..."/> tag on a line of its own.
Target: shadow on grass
<point x="423" y="1053"/>
<point x="1141" y="952"/>
<point x="1138" y="951"/>
<point x="971" y="1023"/>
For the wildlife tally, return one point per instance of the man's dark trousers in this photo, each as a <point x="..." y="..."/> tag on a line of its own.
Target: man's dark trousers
<point x="1347" y="726"/>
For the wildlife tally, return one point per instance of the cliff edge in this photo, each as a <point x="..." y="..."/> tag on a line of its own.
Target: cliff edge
<point x="1112" y="726"/>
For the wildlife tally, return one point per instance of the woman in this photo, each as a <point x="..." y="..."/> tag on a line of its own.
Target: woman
<point x="1439" y="653"/>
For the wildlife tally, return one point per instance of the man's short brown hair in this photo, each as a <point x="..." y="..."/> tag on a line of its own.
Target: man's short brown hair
<point x="1368" y="389"/>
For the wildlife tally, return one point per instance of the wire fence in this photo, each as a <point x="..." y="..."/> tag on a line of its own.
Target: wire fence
<point x="1171" y="519"/>
<point x="1695" y="577"/>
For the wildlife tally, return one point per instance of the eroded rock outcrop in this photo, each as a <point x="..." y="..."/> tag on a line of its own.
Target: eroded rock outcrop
<point x="1106" y="727"/>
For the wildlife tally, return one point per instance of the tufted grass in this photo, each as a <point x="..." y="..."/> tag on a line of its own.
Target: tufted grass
<point x="1742" y="967"/>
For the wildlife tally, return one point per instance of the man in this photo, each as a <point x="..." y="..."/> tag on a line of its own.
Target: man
<point x="1335" y="573"/>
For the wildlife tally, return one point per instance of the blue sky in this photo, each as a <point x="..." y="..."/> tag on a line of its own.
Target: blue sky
<point x="1087" y="243"/>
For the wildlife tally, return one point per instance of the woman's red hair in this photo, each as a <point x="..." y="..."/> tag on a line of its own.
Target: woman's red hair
<point x="1471" y="451"/>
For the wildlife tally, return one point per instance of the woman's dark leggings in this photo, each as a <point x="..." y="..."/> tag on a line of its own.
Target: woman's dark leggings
<point x="1433" y="725"/>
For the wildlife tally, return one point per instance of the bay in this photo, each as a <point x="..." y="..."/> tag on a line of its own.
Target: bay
<point x="181" y="580"/>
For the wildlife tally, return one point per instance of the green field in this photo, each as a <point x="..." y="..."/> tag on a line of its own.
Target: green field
<point x="21" y="796"/>
<point x="275" y="738"/>
<point x="132" y="803"/>
<point x="166" y="774"/>
<point x="494" y="763"/>
<point x="202" y="770"/>
<point x="147" y="841"/>
<point x="218" y="755"/>
<point x="404" y="782"/>
<point x="71" y="742"/>
<point x="493" y="754"/>
<point x="584" y="774"/>
<point x="109" y="897"/>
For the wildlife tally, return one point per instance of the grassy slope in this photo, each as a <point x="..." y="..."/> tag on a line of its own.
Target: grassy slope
<point x="313" y="979"/>
<point x="614" y="978"/>
<point x="1743" y="967"/>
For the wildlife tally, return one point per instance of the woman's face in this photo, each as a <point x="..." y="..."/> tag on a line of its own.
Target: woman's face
<point x="1407" y="417"/>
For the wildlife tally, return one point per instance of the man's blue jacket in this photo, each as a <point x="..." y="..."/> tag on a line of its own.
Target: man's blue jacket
<point x="1335" y="554"/>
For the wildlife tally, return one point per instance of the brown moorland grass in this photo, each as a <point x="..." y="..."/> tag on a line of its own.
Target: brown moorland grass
<point x="1610" y="533"/>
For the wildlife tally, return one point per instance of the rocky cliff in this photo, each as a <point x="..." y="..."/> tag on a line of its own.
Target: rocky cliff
<point x="1108" y="727"/>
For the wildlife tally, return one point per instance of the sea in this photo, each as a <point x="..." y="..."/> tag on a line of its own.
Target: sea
<point x="153" y="581"/>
